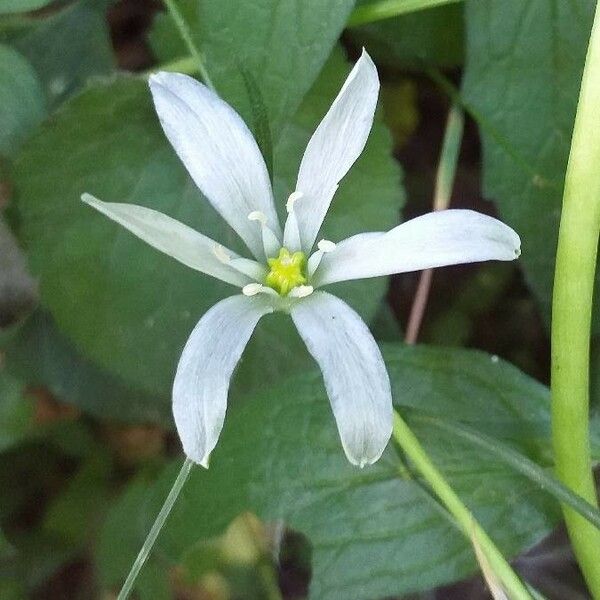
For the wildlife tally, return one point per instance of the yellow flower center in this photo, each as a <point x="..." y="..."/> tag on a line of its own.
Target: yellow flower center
<point x="287" y="271"/>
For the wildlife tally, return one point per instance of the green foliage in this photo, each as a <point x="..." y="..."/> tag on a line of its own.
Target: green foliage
<point x="415" y="40"/>
<point x="524" y="65"/>
<point x="16" y="6"/>
<point x="21" y="99"/>
<point x="63" y="67"/>
<point x="268" y="38"/>
<point x="374" y="532"/>
<point x="114" y="295"/>
<point x="41" y="355"/>
<point x="114" y="314"/>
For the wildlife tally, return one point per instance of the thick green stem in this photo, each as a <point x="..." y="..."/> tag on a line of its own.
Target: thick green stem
<point x="405" y="438"/>
<point x="155" y="529"/>
<point x="572" y="313"/>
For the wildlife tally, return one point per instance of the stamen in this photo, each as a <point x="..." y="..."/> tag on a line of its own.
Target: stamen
<point x="257" y="215"/>
<point x="249" y="267"/>
<point x="221" y="254"/>
<point x="271" y="242"/>
<point x="252" y="289"/>
<point x="292" y="199"/>
<point x="301" y="291"/>
<point x="324" y="246"/>
<point x="291" y="231"/>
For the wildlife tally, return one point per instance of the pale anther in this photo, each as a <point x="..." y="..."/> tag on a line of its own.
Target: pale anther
<point x="257" y="215"/>
<point x="301" y="291"/>
<point x="326" y="246"/>
<point x="221" y="254"/>
<point x="252" y="289"/>
<point x="293" y="198"/>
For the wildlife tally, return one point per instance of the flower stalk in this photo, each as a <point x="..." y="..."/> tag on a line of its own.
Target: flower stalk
<point x="572" y="314"/>
<point x="410" y="445"/>
<point x="164" y="513"/>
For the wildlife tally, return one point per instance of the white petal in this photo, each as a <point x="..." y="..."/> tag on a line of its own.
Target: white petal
<point x="177" y="240"/>
<point x="205" y="368"/>
<point x="437" y="239"/>
<point x="335" y="145"/>
<point x="355" y="376"/>
<point x="219" y="152"/>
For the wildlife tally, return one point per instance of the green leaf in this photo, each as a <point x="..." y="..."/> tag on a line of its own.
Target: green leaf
<point x="63" y="68"/>
<point x="374" y="532"/>
<point x="283" y="45"/>
<point x="369" y="11"/>
<point x="260" y="120"/>
<point x="40" y="355"/>
<point x="129" y="308"/>
<point x="22" y="104"/>
<point x="16" y="412"/>
<point x="524" y="66"/>
<point x="430" y="37"/>
<point x="16" y="6"/>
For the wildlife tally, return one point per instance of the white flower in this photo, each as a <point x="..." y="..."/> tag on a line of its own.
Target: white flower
<point x="225" y="162"/>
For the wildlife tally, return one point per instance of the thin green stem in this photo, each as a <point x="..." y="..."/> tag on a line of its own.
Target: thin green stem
<point x="186" y="36"/>
<point x="386" y="9"/>
<point x="521" y="464"/>
<point x="186" y="64"/>
<point x="155" y="529"/>
<point x="444" y="182"/>
<point x="572" y="314"/>
<point x="407" y="441"/>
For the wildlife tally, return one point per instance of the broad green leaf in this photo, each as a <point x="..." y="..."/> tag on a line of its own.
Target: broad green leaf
<point x="22" y="103"/>
<point x="16" y="412"/>
<point x="374" y="532"/>
<point x="63" y="67"/>
<point x="16" y="6"/>
<point x="40" y="355"/>
<point x="523" y="70"/>
<point x="282" y="44"/>
<point x="414" y="40"/>
<point x="129" y="308"/>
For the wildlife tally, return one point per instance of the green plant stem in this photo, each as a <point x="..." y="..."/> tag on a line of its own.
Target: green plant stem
<point x="444" y="182"/>
<point x="186" y="36"/>
<point x="572" y="313"/>
<point x="519" y="463"/>
<point x="407" y="441"/>
<point x="386" y="9"/>
<point x="156" y="528"/>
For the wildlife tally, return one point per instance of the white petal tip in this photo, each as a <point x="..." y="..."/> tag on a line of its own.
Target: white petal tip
<point x="326" y="246"/>
<point x="301" y="291"/>
<point x="205" y="461"/>
<point x="292" y="199"/>
<point x="158" y="78"/>
<point x="89" y="199"/>
<point x="252" y="289"/>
